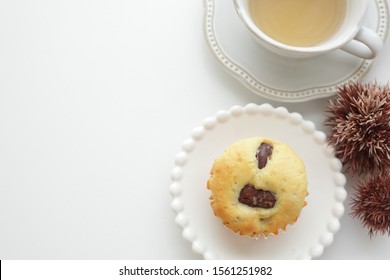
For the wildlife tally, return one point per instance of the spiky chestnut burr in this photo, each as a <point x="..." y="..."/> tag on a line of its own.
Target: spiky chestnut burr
<point x="360" y="127"/>
<point x="371" y="204"/>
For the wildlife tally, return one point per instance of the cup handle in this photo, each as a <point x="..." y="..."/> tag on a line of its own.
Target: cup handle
<point x="366" y="44"/>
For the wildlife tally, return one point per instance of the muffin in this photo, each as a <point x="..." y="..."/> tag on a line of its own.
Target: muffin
<point x="258" y="186"/>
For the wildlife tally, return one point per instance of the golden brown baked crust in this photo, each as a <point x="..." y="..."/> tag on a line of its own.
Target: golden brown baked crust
<point x="283" y="175"/>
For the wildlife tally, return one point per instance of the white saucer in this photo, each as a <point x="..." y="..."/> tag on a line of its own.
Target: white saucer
<point x="319" y="220"/>
<point x="279" y="78"/>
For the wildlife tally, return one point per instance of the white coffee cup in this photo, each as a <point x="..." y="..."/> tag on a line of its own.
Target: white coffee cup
<point x="351" y="36"/>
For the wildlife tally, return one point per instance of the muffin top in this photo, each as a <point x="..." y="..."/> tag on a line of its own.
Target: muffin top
<point x="258" y="186"/>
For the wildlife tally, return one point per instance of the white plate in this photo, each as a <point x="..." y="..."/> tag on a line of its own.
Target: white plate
<point x="279" y="78"/>
<point x="318" y="221"/>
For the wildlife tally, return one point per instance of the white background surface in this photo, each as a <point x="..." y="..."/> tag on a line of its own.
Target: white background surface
<point x="96" y="98"/>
